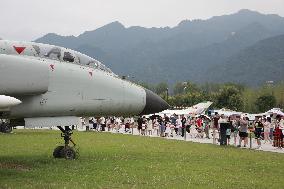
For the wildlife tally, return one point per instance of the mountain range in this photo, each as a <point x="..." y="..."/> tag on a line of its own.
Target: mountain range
<point x="244" y="47"/>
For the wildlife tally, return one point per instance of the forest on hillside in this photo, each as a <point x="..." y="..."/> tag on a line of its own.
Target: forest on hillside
<point x="233" y="96"/>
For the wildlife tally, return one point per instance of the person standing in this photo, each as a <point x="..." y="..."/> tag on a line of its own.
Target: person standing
<point x="144" y="127"/>
<point x="103" y="123"/>
<point x="95" y="123"/>
<point x="272" y="127"/>
<point x="162" y="127"/>
<point x="178" y="126"/>
<point x="206" y="124"/>
<point x="112" y="120"/>
<point x="108" y="124"/>
<point x="281" y="124"/>
<point x="156" y="126"/>
<point x="117" y="124"/>
<point x="139" y="122"/>
<point x="183" y="122"/>
<point x="281" y="127"/>
<point x="127" y="125"/>
<point x="215" y="126"/>
<point x="193" y="131"/>
<point x="266" y="126"/>
<point x="258" y="128"/>
<point x="91" y="123"/>
<point x="172" y="130"/>
<point x="278" y="135"/>
<point x="235" y="126"/>
<point x="173" y="119"/>
<point x="188" y="124"/>
<point x="223" y="126"/>
<point x="167" y="130"/>
<point x="228" y="135"/>
<point x="243" y="131"/>
<point x="166" y="119"/>
<point x="150" y="126"/>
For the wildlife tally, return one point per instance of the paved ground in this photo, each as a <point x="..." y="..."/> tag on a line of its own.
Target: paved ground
<point x="264" y="147"/>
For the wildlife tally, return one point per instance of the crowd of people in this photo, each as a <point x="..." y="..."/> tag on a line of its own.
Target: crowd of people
<point x="224" y="130"/>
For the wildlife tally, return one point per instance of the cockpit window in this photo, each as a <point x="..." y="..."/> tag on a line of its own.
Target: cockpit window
<point x="104" y="68"/>
<point x="54" y="53"/>
<point x="83" y="58"/>
<point x="93" y="64"/>
<point x="68" y="57"/>
<point x="37" y="49"/>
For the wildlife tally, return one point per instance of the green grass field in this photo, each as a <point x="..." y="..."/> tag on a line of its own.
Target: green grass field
<point x="124" y="161"/>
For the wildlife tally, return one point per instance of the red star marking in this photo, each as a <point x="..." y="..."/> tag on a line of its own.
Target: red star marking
<point x="19" y="49"/>
<point x="91" y="73"/>
<point x="51" y="66"/>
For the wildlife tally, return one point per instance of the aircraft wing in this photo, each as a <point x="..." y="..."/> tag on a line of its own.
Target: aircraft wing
<point x="199" y="108"/>
<point x="196" y="109"/>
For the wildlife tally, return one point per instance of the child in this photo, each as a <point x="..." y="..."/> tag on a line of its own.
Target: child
<point x="168" y="130"/>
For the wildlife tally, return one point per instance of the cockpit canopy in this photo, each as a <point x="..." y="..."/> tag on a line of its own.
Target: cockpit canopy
<point x="51" y="52"/>
<point x="68" y="55"/>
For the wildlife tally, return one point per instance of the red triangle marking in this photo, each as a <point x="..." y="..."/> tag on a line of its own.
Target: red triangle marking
<point x="19" y="49"/>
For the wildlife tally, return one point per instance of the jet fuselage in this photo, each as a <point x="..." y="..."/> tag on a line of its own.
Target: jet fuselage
<point x="55" y="81"/>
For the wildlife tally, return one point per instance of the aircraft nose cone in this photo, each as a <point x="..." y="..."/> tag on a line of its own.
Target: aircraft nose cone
<point x="154" y="103"/>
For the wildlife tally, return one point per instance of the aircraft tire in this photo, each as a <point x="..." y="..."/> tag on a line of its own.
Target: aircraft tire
<point x="68" y="153"/>
<point x="57" y="153"/>
<point x="5" y="128"/>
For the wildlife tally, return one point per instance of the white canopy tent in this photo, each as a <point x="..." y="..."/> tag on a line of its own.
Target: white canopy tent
<point x="276" y="111"/>
<point x="227" y="112"/>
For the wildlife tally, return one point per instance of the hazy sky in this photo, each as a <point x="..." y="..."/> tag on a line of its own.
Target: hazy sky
<point x="30" y="19"/>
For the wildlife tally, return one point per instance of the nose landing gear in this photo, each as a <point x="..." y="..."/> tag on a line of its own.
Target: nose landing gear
<point x="66" y="151"/>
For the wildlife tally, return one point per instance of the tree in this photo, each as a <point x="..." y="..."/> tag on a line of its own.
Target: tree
<point x="190" y="99"/>
<point x="179" y="88"/>
<point x="229" y="97"/>
<point x="265" y="102"/>
<point x="185" y="87"/>
<point x="145" y="85"/>
<point x="236" y="102"/>
<point x="161" y="88"/>
<point x="249" y="100"/>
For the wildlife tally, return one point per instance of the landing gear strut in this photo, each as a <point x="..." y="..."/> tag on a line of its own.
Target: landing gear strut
<point x="66" y="151"/>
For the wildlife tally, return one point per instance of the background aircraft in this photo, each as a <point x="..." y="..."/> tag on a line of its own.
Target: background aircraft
<point x="197" y="109"/>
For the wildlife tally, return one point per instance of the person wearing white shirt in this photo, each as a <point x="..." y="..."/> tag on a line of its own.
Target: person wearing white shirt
<point x="266" y="130"/>
<point x="150" y="127"/>
<point x="281" y="124"/>
<point x="178" y="126"/>
<point x="117" y="124"/>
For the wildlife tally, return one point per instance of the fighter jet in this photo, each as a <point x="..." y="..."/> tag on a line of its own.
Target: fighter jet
<point x="41" y="80"/>
<point x="197" y="109"/>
